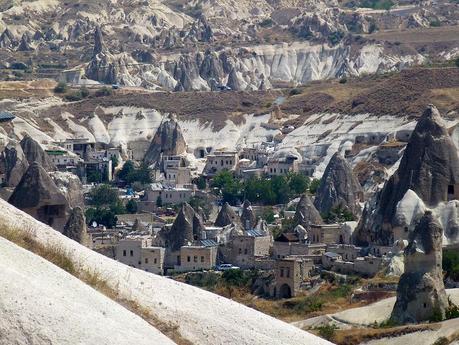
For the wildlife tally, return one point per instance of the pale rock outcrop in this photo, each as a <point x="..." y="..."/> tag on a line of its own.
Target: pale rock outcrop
<point x="306" y="213"/>
<point x="76" y="229"/>
<point x="421" y="293"/>
<point x="339" y="187"/>
<point x="248" y="218"/>
<point x="429" y="168"/>
<point x="227" y="216"/>
<point x="168" y="141"/>
<point x="43" y="304"/>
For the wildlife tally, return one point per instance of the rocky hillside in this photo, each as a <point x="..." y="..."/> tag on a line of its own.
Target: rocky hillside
<point x="206" y="44"/>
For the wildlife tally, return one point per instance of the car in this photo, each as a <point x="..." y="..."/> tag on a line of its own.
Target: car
<point x="226" y="267"/>
<point x="115" y="86"/>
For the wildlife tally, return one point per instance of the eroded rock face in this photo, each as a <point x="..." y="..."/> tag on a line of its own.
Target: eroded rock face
<point x="306" y="213"/>
<point x="227" y="216"/>
<point x="75" y="228"/>
<point x="168" y="141"/>
<point x="248" y="218"/>
<point x="13" y="164"/>
<point x="338" y="188"/>
<point x="421" y="292"/>
<point x="187" y="227"/>
<point x="70" y="185"/>
<point x="38" y="195"/>
<point x="34" y="153"/>
<point x="429" y="167"/>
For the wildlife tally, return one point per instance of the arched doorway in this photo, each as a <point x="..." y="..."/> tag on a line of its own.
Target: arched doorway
<point x="285" y="291"/>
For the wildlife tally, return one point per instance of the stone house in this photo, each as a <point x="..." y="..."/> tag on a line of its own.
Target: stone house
<point x="282" y="166"/>
<point x="325" y="233"/>
<point x="348" y="252"/>
<point x="329" y="258"/>
<point x="167" y="194"/>
<point x="284" y="249"/>
<point x="175" y="171"/>
<point x="247" y="248"/>
<point x="137" y="251"/>
<point x="290" y="273"/>
<point x="221" y="160"/>
<point x="195" y="258"/>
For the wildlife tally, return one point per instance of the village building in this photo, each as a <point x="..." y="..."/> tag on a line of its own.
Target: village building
<point x="138" y="252"/>
<point x="245" y="249"/>
<point x="80" y="146"/>
<point x="175" y="171"/>
<point x="196" y="258"/>
<point x="158" y="194"/>
<point x="282" y="166"/>
<point x="291" y="274"/>
<point x="221" y="160"/>
<point x="326" y="233"/>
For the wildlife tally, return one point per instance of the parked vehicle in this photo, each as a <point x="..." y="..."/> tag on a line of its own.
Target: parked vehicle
<point x="226" y="267"/>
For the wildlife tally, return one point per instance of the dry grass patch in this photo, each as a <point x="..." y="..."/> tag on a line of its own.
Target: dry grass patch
<point x="359" y="335"/>
<point x="59" y="257"/>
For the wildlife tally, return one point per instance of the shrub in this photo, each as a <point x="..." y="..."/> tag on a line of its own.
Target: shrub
<point x="327" y="331"/>
<point x="295" y="91"/>
<point x="343" y="80"/>
<point x="314" y="185"/>
<point x="131" y="206"/>
<point x="61" y="87"/>
<point x="457" y="62"/>
<point x="105" y="91"/>
<point x="73" y="97"/>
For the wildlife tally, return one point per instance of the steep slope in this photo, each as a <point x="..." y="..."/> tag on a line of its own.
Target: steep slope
<point x="42" y="304"/>
<point x="200" y="316"/>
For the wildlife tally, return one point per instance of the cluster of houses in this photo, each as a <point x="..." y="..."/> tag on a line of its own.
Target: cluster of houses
<point x="293" y="259"/>
<point x="82" y="157"/>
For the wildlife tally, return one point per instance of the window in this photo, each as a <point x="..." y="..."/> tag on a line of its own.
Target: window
<point x="131" y="253"/>
<point x="281" y="272"/>
<point x="287" y="273"/>
<point x="146" y="260"/>
<point x="450" y="189"/>
<point x="245" y="251"/>
<point x="195" y="259"/>
<point x="188" y="258"/>
<point x="155" y="260"/>
<point x="124" y="252"/>
<point x="240" y="250"/>
<point x="202" y="258"/>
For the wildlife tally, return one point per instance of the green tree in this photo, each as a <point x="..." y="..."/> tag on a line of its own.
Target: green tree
<point x="127" y="170"/>
<point x="94" y="177"/>
<point x="314" y="185"/>
<point x="159" y="201"/>
<point x="268" y="215"/>
<point x="102" y="216"/>
<point x="201" y="182"/>
<point x="457" y="62"/>
<point x="228" y="187"/>
<point x="198" y="202"/>
<point x="115" y="161"/>
<point x="103" y="195"/>
<point x="131" y="206"/>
